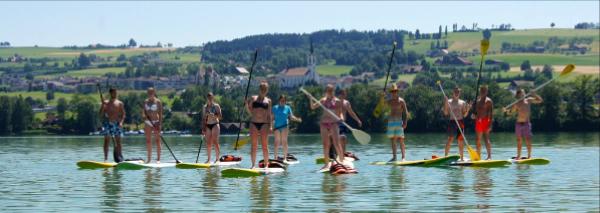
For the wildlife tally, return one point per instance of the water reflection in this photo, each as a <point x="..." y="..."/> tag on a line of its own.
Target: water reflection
<point x="152" y="191"/>
<point x="398" y="186"/>
<point x="483" y="186"/>
<point x="260" y="194"/>
<point x="112" y="188"/>
<point x="210" y="184"/>
<point x="333" y="188"/>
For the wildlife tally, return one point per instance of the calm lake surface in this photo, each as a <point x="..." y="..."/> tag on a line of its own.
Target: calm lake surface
<point x="39" y="174"/>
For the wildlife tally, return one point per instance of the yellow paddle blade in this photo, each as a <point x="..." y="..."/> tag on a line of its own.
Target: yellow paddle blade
<point x="568" y="69"/>
<point x="361" y="136"/>
<point x="485" y="45"/>
<point x="379" y="108"/>
<point x="473" y="154"/>
<point x="241" y="143"/>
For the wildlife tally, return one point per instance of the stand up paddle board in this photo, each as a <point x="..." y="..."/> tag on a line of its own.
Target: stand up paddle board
<point x="241" y="172"/>
<point x="206" y="165"/>
<point x="142" y="165"/>
<point x="482" y="163"/>
<point x="530" y="161"/>
<point x="441" y="161"/>
<point x="86" y="164"/>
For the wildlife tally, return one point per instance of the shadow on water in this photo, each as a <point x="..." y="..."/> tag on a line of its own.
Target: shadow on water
<point x="210" y="184"/>
<point x="482" y="187"/>
<point x="455" y="183"/>
<point x="398" y="186"/>
<point x="333" y="188"/>
<point x="112" y="187"/>
<point x="152" y="191"/>
<point x="260" y="193"/>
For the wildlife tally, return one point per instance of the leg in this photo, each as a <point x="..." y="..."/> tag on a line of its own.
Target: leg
<point x="216" y="131"/>
<point x="461" y="147"/>
<point x="105" y="147"/>
<point x="326" y="144"/>
<point x="402" y="148"/>
<point x="393" y="140"/>
<point x="118" y="154"/>
<point x="284" y="142"/>
<point x="264" y="135"/>
<point x="158" y="143"/>
<point x="528" y="141"/>
<point x="254" y="138"/>
<point x="148" y="133"/>
<point x="335" y="133"/>
<point x="448" y="143"/>
<point x="488" y="145"/>
<point x="343" y="143"/>
<point x="277" y="135"/>
<point x="478" y="142"/>
<point x="519" y="145"/>
<point x="209" y="141"/>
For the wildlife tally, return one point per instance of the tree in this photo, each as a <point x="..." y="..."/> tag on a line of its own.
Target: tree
<point x="526" y="65"/>
<point x="417" y="34"/>
<point x="5" y="114"/>
<point x="83" y="60"/>
<point x="132" y="43"/>
<point x="552" y="25"/>
<point x="50" y="95"/>
<point x="446" y="31"/>
<point x="440" y="32"/>
<point x="547" y="71"/>
<point x="61" y="107"/>
<point x="122" y="57"/>
<point x="22" y="115"/>
<point x="85" y="113"/>
<point x="581" y="113"/>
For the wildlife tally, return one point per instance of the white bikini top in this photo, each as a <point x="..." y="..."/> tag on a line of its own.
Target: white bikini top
<point x="151" y="107"/>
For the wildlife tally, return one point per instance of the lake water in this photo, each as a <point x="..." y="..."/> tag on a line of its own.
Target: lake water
<point x="39" y="174"/>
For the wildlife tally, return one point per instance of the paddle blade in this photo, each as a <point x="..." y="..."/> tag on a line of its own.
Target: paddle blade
<point x="379" y="108"/>
<point x="241" y="143"/>
<point x="361" y="136"/>
<point x="568" y="69"/>
<point x="473" y="154"/>
<point x="485" y="45"/>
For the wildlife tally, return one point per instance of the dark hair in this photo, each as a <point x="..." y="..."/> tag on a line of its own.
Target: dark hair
<point x="209" y="94"/>
<point x="112" y="89"/>
<point x="282" y="96"/>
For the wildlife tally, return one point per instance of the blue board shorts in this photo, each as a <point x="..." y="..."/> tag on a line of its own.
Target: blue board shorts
<point x="394" y="129"/>
<point x="112" y="129"/>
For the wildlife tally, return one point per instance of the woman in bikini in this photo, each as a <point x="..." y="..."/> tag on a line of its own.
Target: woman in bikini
<point x="211" y="115"/>
<point x="329" y="125"/>
<point x="281" y="113"/>
<point x="259" y="107"/>
<point x="153" y="115"/>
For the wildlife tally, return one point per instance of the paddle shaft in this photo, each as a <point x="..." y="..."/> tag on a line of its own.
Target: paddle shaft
<point x="389" y="67"/>
<point x="245" y="97"/>
<point x="116" y="156"/>
<point x="199" y="148"/>
<point x="478" y="82"/>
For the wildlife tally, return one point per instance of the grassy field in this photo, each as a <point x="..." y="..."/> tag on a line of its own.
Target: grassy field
<point x="182" y="57"/>
<point x="54" y="52"/>
<point x="42" y="95"/>
<point x="86" y="72"/>
<point x="403" y="77"/>
<point x="334" y="70"/>
<point x="541" y="59"/>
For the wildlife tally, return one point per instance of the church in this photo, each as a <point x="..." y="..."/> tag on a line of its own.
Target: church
<point x="291" y="78"/>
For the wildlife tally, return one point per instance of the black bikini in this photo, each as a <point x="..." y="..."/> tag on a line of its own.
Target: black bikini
<point x="210" y="126"/>
<point x="213" y="111"/>
<point x="261" y="104"/>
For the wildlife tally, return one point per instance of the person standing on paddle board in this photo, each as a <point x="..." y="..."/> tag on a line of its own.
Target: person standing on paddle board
<point x="114" y="112"/>
<point x="259" y="107"/>
<point x="282" y="113"/>
<point x="460" y="109"/>
<point x="397" y="122"/>
<point x="523" y="125"/>
<point x="153" y="113"/>
<point x="346" y="110"/>
<point x="211" y="117"/>
<point x="483" y="121"/>
<point x="329" y="125"/>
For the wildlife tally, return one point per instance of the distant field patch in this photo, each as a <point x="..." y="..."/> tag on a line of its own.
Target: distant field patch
<point x="541" y="59"/>
<point x="401" y="77"/>
<point x="334" y="70"/>
<point x="95" y="72"/>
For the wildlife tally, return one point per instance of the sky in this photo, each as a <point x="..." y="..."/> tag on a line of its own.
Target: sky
<point x="52" y="23"/>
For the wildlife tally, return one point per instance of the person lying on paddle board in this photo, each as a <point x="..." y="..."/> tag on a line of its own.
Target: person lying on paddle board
<point x="282" y="113"/>
<point x="113" y="111"/>
<point x="259" y="107"/>
<point x="346" y="110"/>
<point x="211" y="116"/>
<point x="153" y="110"/>
<point x="329" y="125"/>
<point x="460" y="108"/>
<point x="523" y="124"/>
<point x="397" y="122"/>
<point x="483" y="121"/>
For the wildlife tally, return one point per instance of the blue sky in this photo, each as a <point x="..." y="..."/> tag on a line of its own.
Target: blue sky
<point x="194" y="23"/>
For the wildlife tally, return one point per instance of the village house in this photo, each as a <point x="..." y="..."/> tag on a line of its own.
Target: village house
<point x="298" y="76"/>
<point x="405" y="68"/>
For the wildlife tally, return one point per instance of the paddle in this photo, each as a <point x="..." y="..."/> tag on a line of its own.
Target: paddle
<point x="239" y="143"/>
<point x="381" y="103"/>
<point x="160" y="135"/>
<point x="199" y="148"/>
<point x="118" y="157"/>
<point x="568" y="69"/>
<point x="472" y="153"/>
<point x="361" y="136"/>
<point x="485" y="44"/>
